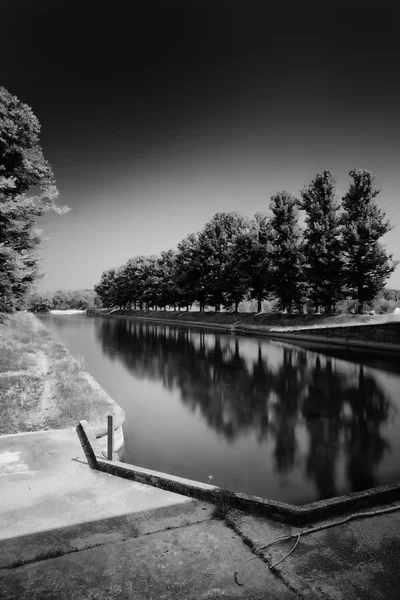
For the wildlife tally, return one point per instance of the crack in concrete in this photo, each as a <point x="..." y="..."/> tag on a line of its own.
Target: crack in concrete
<point x="58" y="553"/>
<point x="231" y="523"/>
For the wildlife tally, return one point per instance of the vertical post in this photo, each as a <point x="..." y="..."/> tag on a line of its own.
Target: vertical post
<point x="110" y="437"/>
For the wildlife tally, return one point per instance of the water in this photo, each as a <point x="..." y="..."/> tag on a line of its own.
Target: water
<point x="259" y="416"/>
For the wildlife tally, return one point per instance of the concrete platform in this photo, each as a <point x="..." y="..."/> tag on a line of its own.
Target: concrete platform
<point x="67" y="531"/>
<point x="358" y="560"/>
<point x="70" y="532"/>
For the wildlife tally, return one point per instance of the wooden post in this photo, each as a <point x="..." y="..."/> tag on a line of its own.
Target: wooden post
<point x="110" y="437"/>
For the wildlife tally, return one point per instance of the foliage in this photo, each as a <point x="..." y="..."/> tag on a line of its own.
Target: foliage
<point x="39" y="303"/>
<point x="188" y="269"/>
<point x="367" y="264"/>
<point x="106" y="288"/>
<point x="220" y="275"/>
<point x="22" y="170"/>
<point x="286" y="251"/>
<point x="62" y="300"/>
<point x="322" y="242"/>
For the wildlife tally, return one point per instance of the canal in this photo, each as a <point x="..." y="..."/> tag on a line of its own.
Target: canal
<point x="259" y="416"/>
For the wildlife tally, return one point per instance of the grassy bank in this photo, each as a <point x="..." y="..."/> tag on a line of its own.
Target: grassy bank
<point x="383" y="328"/>
<point x="41" y="385"/>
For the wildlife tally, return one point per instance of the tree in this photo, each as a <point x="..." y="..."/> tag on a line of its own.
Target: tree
<point x="286" y="251"/>
<point x="106" y="289"/>
<point x="188" y="269"/>
<point x="167" y="292"/>
<point x="39" y="302"/>
<point x="22" y="169"/>
<point x="323" y="246"/>
<point x="215" y="247"/>
<point x="367" y="264"/>
<point x="62" y="299"/>
<point x="83" y="299"/>
<point x="251" y="255"/>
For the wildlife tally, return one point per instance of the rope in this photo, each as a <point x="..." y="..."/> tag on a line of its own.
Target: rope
<point x="327" y="525"/>
<point x="286" y="555"/>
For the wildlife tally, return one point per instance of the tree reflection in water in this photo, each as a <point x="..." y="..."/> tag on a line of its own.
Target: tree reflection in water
<point x="339" y="405"/>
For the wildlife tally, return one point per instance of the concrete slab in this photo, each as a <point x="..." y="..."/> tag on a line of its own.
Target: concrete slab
<point x="48" y="485"/>
<point x="67" y="531"/>
<point x="52" y="502"/>
<point x="353" y="561"/>
<point x="194" y="562"/>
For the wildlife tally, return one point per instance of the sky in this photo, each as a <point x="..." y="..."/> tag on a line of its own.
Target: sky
<point x="157" y="115"/>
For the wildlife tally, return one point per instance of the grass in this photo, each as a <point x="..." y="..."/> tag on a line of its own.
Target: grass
<point x="222" y="504"/>
<point x="41" y="385"/>
<point x="19" y="401"/>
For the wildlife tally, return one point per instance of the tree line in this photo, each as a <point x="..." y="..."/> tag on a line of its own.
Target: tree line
<point x="62" y="300"/>
<point x="336" y="255"/>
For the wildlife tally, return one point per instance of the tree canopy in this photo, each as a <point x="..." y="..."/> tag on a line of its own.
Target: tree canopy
<point x="27" y="191"/>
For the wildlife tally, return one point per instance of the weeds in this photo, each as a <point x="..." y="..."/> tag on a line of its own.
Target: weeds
<point x="222" y="502"/>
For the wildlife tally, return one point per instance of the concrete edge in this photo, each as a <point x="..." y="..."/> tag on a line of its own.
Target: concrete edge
<point x="289" y="513"/>
<point x="259" y="330"/>
<point x="335" y="341"/>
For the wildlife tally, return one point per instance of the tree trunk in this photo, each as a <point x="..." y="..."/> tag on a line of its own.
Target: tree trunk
<point x="236" y="305"/>
<point x="259" y="303"/>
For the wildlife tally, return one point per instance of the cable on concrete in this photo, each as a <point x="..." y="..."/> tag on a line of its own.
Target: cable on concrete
<point x="286" y="555"/>
<point x="334" y="524"/>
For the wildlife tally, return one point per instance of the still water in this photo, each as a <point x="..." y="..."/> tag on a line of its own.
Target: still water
<point x="261" y="417"/>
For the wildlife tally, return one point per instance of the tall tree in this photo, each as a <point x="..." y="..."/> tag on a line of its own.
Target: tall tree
<point x="251" y="256"/>
<point x="22" y="169"/>
<point x="188" y="269"/>
<point x="367" y="264"/>
<point x="106" y="289"/>
<point x="148" y="281"/>
<point x="286" y="251"/>
<point x="323" y="245"/>
<point x="216" y="243"/>
<point x="167" y="292"/>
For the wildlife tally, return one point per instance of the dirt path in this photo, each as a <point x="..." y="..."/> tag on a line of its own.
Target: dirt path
<point x="47" y="404"/>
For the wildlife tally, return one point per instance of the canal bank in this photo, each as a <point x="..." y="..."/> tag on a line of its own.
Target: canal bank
<point x="373" y="332"/>
<point x="42" y="386"/>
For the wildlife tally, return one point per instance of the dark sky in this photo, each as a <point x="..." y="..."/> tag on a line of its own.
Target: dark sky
<point x="157" y="115"/>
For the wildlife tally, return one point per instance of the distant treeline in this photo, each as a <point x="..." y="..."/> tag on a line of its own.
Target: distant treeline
<point x="337" y="256"/>
<point x="62" y="300"/>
